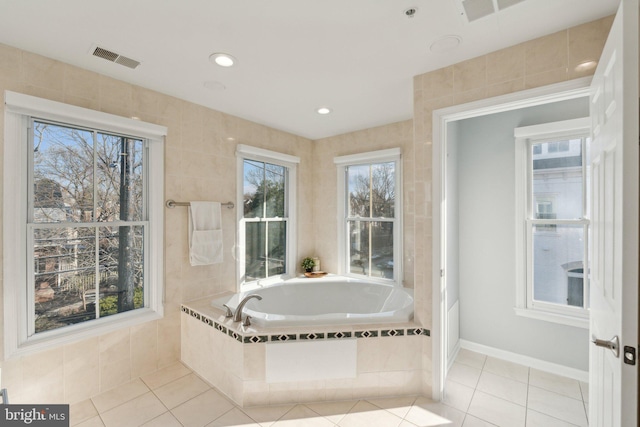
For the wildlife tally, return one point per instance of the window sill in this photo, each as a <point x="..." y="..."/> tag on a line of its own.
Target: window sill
<point x="61" y="337"/>
<point x="546" y="316"/>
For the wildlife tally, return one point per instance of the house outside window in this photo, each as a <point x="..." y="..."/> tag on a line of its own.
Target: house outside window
<point x="266" y="220"/>
<point x="83" y="210"/>
<point x="370" y="215"/>
<point x="552" y="234"/>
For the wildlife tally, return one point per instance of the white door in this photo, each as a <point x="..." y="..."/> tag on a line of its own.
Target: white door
<point x="614" y="212"/>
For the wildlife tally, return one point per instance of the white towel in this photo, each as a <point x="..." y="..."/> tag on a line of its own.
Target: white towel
<point x="205" y="233"/>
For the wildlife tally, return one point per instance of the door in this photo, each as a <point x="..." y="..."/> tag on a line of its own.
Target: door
<point x="614" y="213"/>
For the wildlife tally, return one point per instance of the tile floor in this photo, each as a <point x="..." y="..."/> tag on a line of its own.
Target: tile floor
<point x="482" y="391"/>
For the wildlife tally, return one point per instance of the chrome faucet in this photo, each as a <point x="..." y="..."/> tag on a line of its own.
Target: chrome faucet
<point x="237" y="317"/>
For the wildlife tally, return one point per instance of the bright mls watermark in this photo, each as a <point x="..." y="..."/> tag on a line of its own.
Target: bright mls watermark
<point x="34" y="415"/>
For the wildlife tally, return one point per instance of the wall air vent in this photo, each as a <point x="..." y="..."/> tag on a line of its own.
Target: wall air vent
<point x="103" y="53"/>
<point x="473" y="10"/>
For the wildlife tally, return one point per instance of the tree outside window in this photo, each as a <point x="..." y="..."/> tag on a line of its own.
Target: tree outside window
<point x="370" y="219"/>
<point x="265" y="219"/>
<point x="86" y="224"/>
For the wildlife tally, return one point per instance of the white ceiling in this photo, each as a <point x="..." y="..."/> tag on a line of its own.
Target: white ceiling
<point x="356" y="56"/>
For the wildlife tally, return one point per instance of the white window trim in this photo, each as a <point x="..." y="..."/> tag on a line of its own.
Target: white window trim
<point x="291" y="163"/>
<point x="18" y="107"/>
<point x="379" y="156"/>
<point x="570" y="316"/>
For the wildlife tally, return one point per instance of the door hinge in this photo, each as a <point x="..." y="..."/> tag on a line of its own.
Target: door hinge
<point x="442" y="272"/>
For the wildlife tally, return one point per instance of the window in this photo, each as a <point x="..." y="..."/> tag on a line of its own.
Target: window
<point x="370" y="215"/>
<point x="553" y="226"/>
<point x="267" y="217"/>
<point x="85" y="204"/>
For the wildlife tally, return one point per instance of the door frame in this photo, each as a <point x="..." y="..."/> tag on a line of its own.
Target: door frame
<point x="441" y="118"/>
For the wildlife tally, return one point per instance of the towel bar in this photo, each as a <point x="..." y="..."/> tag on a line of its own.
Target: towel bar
<point x="172" y="204"/>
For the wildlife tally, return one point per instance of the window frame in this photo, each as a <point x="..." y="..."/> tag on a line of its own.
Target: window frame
<point x="525" y="207"/>
<point x="373" y="157"/>
<point x="290" y="163"/>
<point x="19" y="109"/>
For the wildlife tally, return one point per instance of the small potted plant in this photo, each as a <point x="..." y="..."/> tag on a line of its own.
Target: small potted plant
<point x="307" y="264"/>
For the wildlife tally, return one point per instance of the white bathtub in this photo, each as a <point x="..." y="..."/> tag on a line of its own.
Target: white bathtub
<point x="326" y="301"/>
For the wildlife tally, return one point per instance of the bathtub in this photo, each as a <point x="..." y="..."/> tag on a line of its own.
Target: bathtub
<point x="326" y="301"/>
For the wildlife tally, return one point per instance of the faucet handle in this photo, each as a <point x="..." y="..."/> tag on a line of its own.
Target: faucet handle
<point x="228" y="312"/>
<point x="247" y="321"/>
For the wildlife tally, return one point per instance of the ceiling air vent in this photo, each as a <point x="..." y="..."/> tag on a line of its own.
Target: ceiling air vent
<point x="473" y="10"/>
<point x="103" y="53"/>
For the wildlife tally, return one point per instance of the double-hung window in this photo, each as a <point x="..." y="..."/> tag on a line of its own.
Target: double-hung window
<point x="552" y="226"/>
<point x="370" y="214"/>
<point x="266" y="220"/>
<point x="83" y="222"/>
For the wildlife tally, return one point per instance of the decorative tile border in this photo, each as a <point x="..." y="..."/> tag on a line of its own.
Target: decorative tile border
<point x="303" y="336"/>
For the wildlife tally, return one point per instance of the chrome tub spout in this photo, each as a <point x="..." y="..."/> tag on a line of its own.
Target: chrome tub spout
<point x="237" y="317"/>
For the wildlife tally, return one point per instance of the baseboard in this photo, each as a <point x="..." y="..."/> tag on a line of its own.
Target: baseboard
<point x="532" y="362"/>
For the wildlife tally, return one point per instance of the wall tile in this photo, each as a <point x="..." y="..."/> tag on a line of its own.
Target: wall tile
<point x="144" y="349"/>
<point x="81" y="361"/>
<point x="470" y="74"/>
<point x="42" y="72"/>
<point x="546" y="53"/>
<point x="586" y="43"/>
<point x="505" y="65"/>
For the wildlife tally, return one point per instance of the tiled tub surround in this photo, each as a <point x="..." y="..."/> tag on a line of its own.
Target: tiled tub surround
<point x="389" y="358"/>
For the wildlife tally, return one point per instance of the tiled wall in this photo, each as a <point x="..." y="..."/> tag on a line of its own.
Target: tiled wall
<point x="539" y="62"/>
<point x="325" y="184"/>
<point x="200" y="165"/>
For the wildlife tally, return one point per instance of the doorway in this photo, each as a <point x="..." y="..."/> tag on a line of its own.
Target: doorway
<point x="477" y="214"/>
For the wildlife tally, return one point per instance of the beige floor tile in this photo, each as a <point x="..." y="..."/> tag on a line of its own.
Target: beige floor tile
<point x="202" y="409"/>
<point x="557" y="406"/>
<point x="165" y="420"/>
<point x="82" y="411"/>
<point x="536" y="419"/>
<point x="92" y="422"/>
<point x="181" y="390"/>
<point x="126" y="392"/>
<point x="396" y="405"/>
<point x="235" y="418"/>
<point x="364" y="414"/>
<point x="555" y="383"/>
<point x="471" y="421"/>
<point x="497" y="411"/>
<point x="333" y="411"/>
<point x="503" y="387"/>
<point x="507" y="369"/>
<point x="584" y="388"/>
<point x="135" y="412"/>
<point x="471" y="358"/>
<point x="267" y="415"/>
<point x="166" y="375"/>
<point x="426" y="412"/>
<point x="301" y="416"/>
<point x="457" y="395"/>
<point x="463" y="374"/>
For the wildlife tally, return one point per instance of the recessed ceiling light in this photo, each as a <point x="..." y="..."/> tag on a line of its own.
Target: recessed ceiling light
<point x="323" y="110"/>
<point x="445" y="44"/>
<point x="223" y="59"/>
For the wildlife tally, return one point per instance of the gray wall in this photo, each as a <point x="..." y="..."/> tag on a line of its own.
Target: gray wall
<point x="486" y="200"/>
<point x="452" y="261"/>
